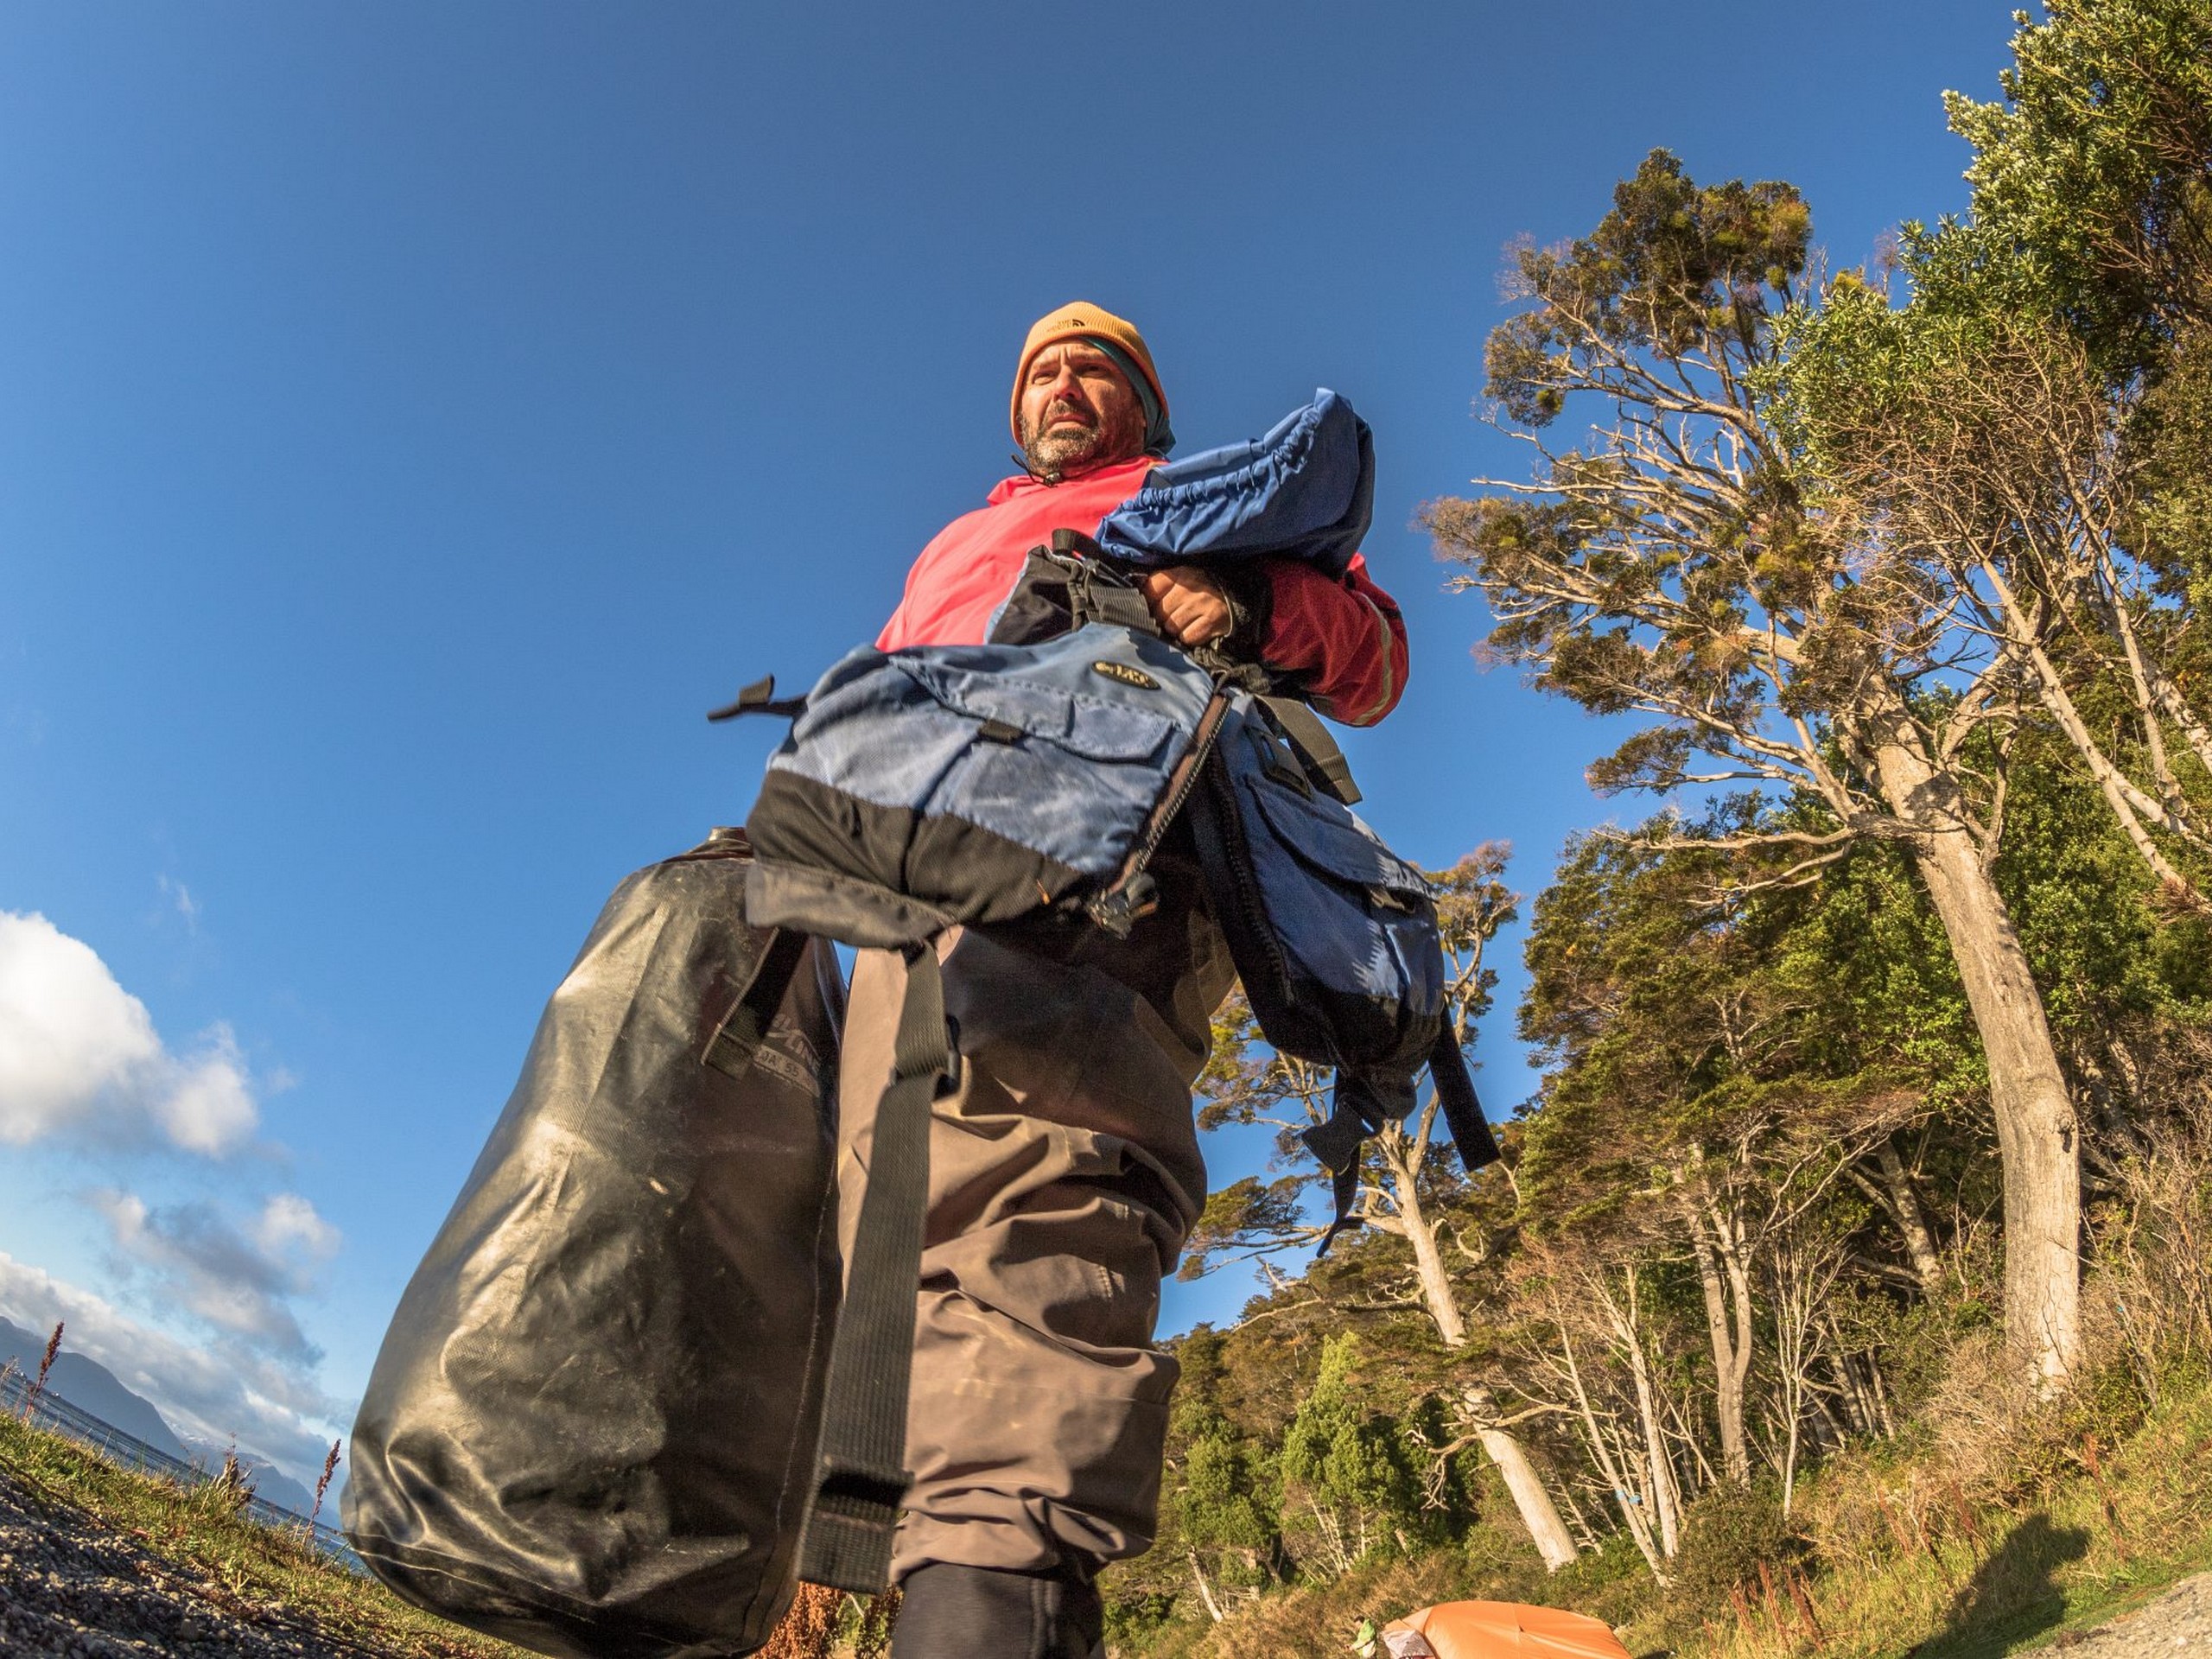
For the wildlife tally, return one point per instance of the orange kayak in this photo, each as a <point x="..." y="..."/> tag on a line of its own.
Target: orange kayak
<point x="1509" y="1629"/>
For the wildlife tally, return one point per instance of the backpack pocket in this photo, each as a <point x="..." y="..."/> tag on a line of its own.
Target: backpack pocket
<point x="933" y="786"/>
<point x="1335" y="936"/>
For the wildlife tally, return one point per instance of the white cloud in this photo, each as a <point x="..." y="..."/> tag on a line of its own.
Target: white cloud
<point x="288" y="1222"/>
<point x="205" y="1104"/>
<point x="79" y="1055"/>
<point x="236" y="1279"/>
<point x="219" y="1393"/>
<point x="180" y="895"/>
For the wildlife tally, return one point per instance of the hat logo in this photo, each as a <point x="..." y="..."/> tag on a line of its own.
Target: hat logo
<point x="1126" y="674"/>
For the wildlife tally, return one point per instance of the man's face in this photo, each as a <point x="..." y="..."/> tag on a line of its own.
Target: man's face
<point x="1078" y="411"/>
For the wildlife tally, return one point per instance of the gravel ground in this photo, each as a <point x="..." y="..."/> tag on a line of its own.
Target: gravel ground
<point x="2178" y="1622"/>
<point x="74" y="1588"/>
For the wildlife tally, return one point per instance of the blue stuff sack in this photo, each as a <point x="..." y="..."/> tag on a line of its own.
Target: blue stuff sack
<point x="1335" y="938"/>
<point x="1305" y="492"/>
<point x="940" y="785"/>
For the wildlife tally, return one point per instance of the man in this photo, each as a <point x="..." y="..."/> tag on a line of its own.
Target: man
<point x="1064" y="1170"/>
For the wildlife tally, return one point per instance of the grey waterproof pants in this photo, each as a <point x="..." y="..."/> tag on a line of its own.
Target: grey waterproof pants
<point x="1064" y="1174"/>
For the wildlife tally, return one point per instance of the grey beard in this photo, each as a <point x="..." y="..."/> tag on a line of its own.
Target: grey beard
<point x="1102" y="445"/>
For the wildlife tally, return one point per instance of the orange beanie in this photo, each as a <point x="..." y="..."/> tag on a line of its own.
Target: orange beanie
<point x="1083" y="321"/>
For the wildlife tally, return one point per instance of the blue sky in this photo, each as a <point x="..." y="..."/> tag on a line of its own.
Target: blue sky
<point x="413" y="416"/>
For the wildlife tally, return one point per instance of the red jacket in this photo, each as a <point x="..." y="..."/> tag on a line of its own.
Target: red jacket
<point x="1344" y="640"/>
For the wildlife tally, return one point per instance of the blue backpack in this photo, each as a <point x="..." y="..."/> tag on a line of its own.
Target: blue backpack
<point x="1336" y="940"/>
<point x="945" y="786"/>
<point x="940" y="786"/>
<point x="918" y="791"/>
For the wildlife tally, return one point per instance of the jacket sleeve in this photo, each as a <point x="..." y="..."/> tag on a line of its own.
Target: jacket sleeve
<point x="1344" y="641"/>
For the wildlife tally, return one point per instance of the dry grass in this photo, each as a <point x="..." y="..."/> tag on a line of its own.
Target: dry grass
<point x="830" y="1625"/>
<point x="274" y="1576"/>
<point x="2014" y="1521"/>
<point x="2001" y="1522"/>
<point x="251" y="1572"/>
<point x="1491" y="1565"/>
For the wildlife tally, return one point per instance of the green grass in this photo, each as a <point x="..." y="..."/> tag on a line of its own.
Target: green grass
<point x="1997" y="1535"/>
<point x="247" y="1570"/>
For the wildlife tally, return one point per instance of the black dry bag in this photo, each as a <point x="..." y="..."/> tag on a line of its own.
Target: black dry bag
<point x="593" y="1425"/>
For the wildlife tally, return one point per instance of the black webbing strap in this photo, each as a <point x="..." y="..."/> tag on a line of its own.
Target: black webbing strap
<point x="1344" y="1187"/>
<point x="860" y="1472"/>
<point x="1462" y="1113"/>
<point x="1336" y="1144"/>
<point x="1099" y="590"/>
<point x="745" y="1027"/>
<point x="1323" y="759"/>
<point x="759" y="698"/>
<point x="1356" y="1113"/>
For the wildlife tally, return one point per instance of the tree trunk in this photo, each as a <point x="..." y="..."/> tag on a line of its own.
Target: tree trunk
<point x="1530" y="1496"/>
<point x="1601" y="1453"/>
<point x="1912" y="1218"/>
<point x="1731" y="1360"/>
<point x="1206" y="1590"/>
<point x="2027" y="1090"/>
<point x="1538" y="1514"/>
<point x="1664" y="1496"/>
<point x="1436" y="1293"/>
<point x="1624" y="1313"/>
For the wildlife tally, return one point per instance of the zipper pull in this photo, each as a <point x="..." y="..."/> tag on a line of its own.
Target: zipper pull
<point x="1128" y="903"/>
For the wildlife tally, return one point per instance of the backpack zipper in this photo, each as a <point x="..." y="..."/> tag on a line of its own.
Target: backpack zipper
<point x="1134" y="895"/>
<point x="1245" y="880"/>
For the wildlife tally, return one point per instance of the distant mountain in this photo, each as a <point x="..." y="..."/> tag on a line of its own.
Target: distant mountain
<point x="89" y="1386"/>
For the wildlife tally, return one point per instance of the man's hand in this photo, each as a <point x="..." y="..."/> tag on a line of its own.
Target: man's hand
<point x="1188" y="604"/>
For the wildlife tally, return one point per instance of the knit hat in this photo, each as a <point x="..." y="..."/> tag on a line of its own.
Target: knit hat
<point x="1121" y="343"/>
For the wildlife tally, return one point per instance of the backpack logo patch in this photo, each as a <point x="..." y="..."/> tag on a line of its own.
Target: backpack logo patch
<point x="1126" y="674"/>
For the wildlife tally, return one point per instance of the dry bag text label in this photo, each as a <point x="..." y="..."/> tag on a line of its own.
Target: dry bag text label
<point x="1126" y="674"/>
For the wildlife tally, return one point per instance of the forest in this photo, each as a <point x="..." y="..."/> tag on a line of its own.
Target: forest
<point x="1848" y="1283"/>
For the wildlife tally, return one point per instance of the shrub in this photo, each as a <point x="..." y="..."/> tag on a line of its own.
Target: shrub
<point x="1728" y="1533"/>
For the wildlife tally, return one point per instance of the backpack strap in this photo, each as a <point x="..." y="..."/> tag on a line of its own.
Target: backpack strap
<point x="1337" y="1143"/>
<point x="1462" y="1111"/>
<point x="1318" y="752"/>
<point x="860" y="1473"/>
<point x="1100" y="592"/>
<point x="761" y="699"/>
<point x="1357" y="1111"/>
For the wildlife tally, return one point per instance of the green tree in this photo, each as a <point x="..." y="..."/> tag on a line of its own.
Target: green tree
<point x="1976" y="438"/>
<point x="1216" y="1509"/>
<point x="2095" y="171"/>
<point x="1675" y="566"/>
<point x="1699" y="1088"/>
<point x="1349" y="1485"/>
